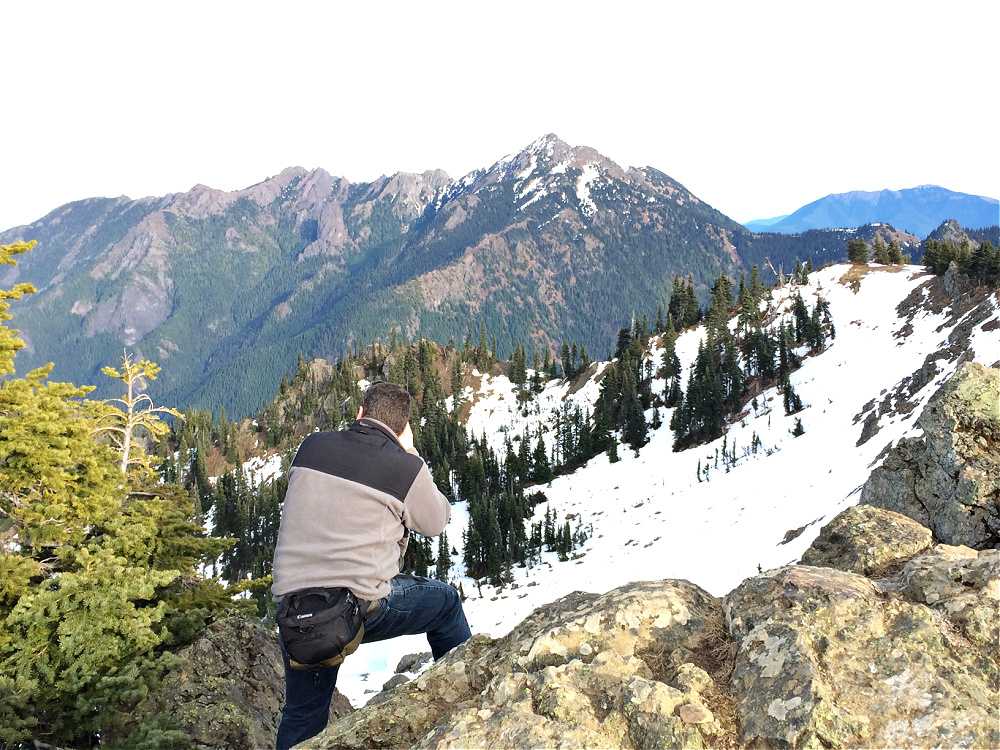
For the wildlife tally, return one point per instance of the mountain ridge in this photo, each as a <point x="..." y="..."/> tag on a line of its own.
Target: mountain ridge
<point x="549" y="242"/>
<point x="224" y="288"/>
<point x="918" y="210"/>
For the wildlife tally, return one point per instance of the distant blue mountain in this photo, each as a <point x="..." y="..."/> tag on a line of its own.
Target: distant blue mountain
<point x="764" y="225"/>
<point x="918" y="210"/>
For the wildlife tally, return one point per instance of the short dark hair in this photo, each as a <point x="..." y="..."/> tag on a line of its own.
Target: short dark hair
<point x="389" y="403"/>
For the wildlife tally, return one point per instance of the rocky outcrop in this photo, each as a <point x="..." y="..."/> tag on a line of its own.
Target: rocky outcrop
<point x="585" y="671"/>
<point x="826" y="659"/>
<point x="949" y="479"/>
<point x="797" y="657"/>
<point x="867" y="540"/>
<point x="229" y="689"/>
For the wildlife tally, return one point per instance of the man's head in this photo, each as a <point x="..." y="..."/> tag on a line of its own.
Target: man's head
<point x="389" y="403"/>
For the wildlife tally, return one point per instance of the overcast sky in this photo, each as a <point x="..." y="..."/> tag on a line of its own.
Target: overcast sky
<point x="757" y="108"/>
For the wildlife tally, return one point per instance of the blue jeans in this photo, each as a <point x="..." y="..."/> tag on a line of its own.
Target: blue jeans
<point x="414" y="605"/>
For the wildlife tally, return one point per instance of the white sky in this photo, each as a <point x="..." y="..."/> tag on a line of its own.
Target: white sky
<point x="757" y="108"/>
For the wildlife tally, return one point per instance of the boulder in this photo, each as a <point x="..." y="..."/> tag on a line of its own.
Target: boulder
<point x="963" y="585"/>
<point x="827" y="660"/>
<point x="615" y="670"/>
<point x="949" y="479"/>
<point x="867" y="540"/>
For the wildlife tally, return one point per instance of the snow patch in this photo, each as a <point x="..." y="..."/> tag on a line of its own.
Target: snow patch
<point x="589" y="174"/>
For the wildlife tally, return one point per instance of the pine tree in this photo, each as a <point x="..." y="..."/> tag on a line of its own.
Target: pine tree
<point x="624" y="342"/>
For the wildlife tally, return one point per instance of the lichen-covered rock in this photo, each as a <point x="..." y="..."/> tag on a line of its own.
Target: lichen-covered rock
<point x="867" y="540"/>
<point x="826" y="660"/>
<point x="799" y="657"/>
<point x="585" y="671"/>
<point x="949" y="479"/>
<point x="962" y="584"/>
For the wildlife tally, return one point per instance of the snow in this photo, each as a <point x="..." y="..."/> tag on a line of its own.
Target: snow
<point x="986" y="343"/>
<point x="261" y="469"/>
<point x="589" y="173"/>
<point x="651" y="516"/>
<point x="526" y="172"/>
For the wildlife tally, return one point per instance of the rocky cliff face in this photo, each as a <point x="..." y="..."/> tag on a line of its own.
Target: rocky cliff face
<point x="876" y="644"/>
<point x="949" y="479"/>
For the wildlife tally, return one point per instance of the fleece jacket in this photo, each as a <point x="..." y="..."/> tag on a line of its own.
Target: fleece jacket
<point x="352" y="497"/>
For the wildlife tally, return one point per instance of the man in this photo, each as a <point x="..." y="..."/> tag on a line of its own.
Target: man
<point x="352" y="498"/>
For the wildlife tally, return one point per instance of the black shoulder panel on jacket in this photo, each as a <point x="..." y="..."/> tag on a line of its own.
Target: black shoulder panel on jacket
<point x="362" y="454"/>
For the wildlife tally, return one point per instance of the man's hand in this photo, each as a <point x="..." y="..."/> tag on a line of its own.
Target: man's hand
<point x="406" y="439"/>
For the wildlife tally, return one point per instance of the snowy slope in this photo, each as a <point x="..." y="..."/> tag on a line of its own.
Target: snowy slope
<point x="653" y="519"/>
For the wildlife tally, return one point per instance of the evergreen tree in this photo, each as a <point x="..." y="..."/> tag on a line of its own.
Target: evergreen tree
<point x="97" y="572"/>
<point x="542" y="469"/>
<point x="857" y="250"/>
<point x="895" y="253"/>
<point x="880" y="251"/>
<point x="613" y="451"/>
<point x="624" y="342"/>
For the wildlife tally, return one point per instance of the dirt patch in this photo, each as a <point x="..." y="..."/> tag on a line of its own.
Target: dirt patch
<point x="476" y="382"/>
<point x="215" y="464"/>
<point x="581" y="380"/>
<point x="858" y="271"/>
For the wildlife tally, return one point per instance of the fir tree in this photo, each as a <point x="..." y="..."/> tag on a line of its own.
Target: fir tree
<point x="895" y="252"/>
<point x="880" y="251"/>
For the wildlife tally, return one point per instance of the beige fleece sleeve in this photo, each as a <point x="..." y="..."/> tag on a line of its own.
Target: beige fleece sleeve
<point x="425" y="510"/>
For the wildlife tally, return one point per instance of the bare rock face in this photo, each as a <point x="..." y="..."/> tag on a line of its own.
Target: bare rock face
<point x="867" y="540"/>
<point x="949" y="479"/>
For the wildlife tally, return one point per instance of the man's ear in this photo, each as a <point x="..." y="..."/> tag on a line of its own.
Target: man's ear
<point x="361" y="412"/>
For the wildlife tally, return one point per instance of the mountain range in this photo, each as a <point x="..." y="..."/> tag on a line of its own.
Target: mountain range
<point x="224" y="288"/>
<point x="916" y="210"/>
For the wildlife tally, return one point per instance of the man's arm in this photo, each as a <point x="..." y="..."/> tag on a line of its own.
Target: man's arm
<point x="425" y="509"/>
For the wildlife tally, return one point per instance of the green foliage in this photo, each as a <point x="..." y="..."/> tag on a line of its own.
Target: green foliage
<point x="9" y="343"/>
<point x="95" y="578"/>
<point x="857" y="250"/>
<point x="981" y="264"/>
